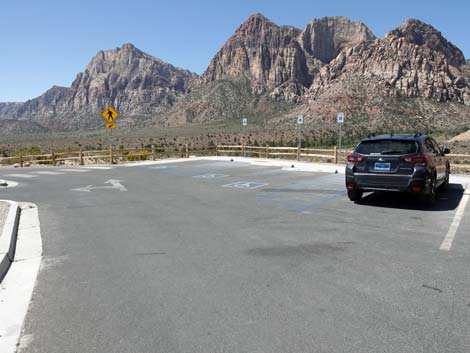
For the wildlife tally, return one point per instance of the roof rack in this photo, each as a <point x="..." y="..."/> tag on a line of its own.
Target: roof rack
<point x="418" y="134"/>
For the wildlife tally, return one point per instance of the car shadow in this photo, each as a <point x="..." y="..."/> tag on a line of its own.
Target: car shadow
<point x="446" y="200"/>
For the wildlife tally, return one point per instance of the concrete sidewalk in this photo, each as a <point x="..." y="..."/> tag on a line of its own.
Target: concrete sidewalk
<point x="4" y="207"/>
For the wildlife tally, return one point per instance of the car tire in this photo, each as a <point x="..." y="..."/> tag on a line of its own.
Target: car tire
<point x="445" y="183"/>
<point x="430" y="197"/>
<point x="355" y="195"/>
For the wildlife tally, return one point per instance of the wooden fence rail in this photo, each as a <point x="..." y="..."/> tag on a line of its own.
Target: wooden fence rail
<point x="327" y="154"/>
<point x="123" y="155"/>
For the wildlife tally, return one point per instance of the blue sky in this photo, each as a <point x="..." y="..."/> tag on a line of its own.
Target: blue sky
<point x="45" y="43"/>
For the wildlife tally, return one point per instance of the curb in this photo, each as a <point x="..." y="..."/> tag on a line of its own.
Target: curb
<point x="273" y="162"/>
<point x="8" y="238"/>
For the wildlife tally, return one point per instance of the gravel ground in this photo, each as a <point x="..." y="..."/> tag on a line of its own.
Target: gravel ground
<point x="4" y="207"/>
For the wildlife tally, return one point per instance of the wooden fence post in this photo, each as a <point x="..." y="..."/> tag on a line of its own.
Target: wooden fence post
<point x="21" y="160"/>
<point x="111" y="155"/>
<point x="267" y="151"/>
<point x="80" y="157"/>
<point x="154" y="152"/>
<point x="53" y="158"/>
<point x="336" y="155"/>
<point x="186" y="148"/>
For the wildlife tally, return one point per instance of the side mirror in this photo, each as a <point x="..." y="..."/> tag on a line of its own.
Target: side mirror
<point x="445" y="150"/>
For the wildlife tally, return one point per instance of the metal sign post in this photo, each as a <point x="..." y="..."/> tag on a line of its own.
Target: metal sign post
<point x="300" y="121"/>
<point x="340" y="122"/>
<point x="244" y="123"/>
<point x="110" y="114"/>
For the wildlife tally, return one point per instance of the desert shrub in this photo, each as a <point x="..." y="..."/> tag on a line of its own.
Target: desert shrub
<point x="138" y="155"/>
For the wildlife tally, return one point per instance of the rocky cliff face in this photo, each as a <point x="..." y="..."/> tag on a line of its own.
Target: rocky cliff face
<point x="135" y="83"/>
<point x="282" y="60"/>
<point x="325" y="38"/>
<point x="9" y="109"/>
<point x="413" y="60"/>
<point x="267" y="54"/>
<point x="55" y="100"/>
<point x="466" y="70"/>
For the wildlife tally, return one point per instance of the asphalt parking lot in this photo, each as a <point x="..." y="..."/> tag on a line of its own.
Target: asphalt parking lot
<point x="220" y="256"/>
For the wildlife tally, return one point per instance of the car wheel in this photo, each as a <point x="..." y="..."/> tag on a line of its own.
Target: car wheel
<point x="430" y="197"/>
<point x="355" y="195"/>
<point x="445" y="183"/>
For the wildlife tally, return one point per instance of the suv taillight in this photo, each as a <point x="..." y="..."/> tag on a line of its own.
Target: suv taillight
<point x="416" y="159"/>
<point x="355" y="158"/>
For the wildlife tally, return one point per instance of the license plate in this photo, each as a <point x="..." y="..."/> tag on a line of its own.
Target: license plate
<point x="382" y="166"/>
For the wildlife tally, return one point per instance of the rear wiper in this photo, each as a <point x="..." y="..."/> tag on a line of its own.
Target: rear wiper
<point x="391" y="152"/>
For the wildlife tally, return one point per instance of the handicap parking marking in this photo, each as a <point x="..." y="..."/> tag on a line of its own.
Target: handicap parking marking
<point x="164" y="167"/>
<point x="26" y="176"/>
<point x="245" y="185"/>
<point x="46" y="172"/>
<point x="210" y="176"/>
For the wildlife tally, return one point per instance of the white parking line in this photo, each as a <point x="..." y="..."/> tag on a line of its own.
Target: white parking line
<point x="97" y="167"/>
<point x="164" y="167"/>
<point x="26" y="176"/>
<point x="46" y="172"/>
<point x="449" y="239"/>
<point x="75" y="170"/>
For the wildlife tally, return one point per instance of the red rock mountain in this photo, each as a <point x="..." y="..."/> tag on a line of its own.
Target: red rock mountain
<point x="414" y="60"/>
<point x="283" y="60"/>
<point x="135" y="83"/>
<point x="412" y="77"/>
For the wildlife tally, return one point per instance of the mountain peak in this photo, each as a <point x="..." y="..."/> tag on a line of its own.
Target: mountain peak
<point x="258" y="15"/>
<point x="128" y="46"/>
<point x="254" y="24"/>
<point x="420" y="33"/>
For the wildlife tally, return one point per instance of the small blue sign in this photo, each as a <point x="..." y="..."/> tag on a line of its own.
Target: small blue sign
<point x="340" y="118"/>
<point x="300" y="119"/>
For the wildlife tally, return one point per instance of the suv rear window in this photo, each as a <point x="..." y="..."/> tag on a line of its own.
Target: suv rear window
<point x="390" y="147"/>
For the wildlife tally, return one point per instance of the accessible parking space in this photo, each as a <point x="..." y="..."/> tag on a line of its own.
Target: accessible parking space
<point x="397" y="219"/>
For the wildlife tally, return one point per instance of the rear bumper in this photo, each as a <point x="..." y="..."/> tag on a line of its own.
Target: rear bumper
<point x="384" y="182"/>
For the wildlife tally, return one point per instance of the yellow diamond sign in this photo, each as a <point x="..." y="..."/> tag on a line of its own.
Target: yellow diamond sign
<point x="110" y="114"/>
<point x="110" y="125"/>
